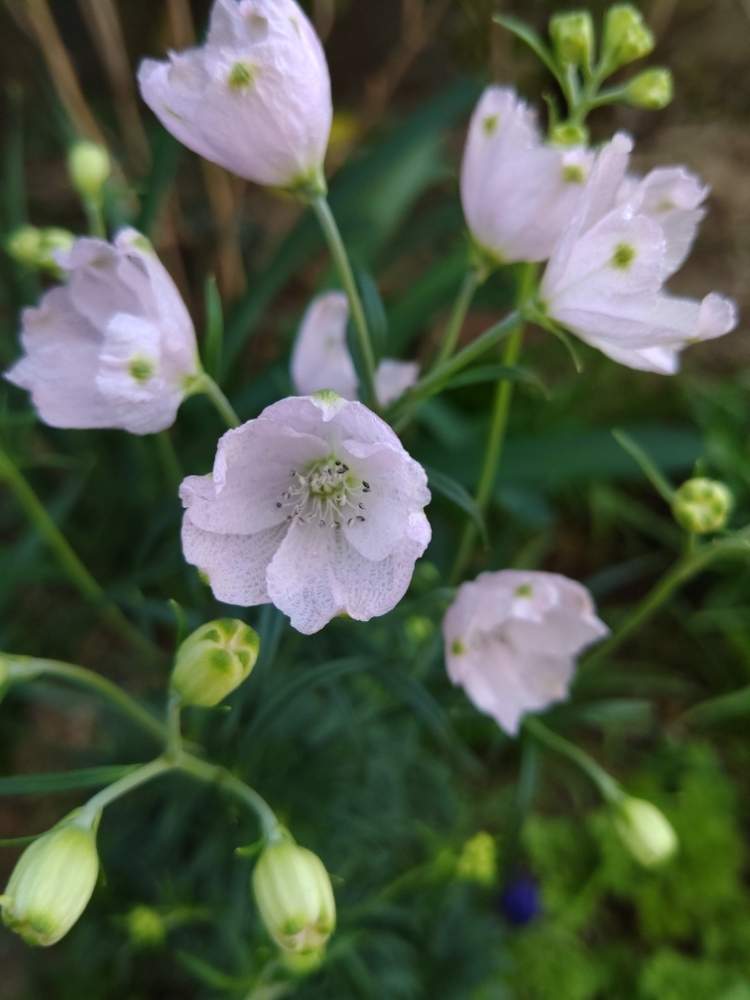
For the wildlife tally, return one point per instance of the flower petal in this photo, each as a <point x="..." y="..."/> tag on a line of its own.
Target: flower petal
<point x="234" y="564"/>
<point x="321" y="358"/>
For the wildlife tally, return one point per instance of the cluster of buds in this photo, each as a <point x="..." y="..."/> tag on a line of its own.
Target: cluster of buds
<point x="36" y="248"/>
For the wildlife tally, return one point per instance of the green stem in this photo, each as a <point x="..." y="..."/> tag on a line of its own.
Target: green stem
<point x="28" y="668"/>
<point x="76" y="572"/>
<point x="609" y="788"/>
<point x="210" y="388"/>
<point x="170" y="462"/>
<point x="341" y="259"/>
<point x="129" y="783"/>
<point x="94" y="208"/>
<point x="472" y="280"/>
<point x="174" y="731"/>
<point x="214" y="774"/>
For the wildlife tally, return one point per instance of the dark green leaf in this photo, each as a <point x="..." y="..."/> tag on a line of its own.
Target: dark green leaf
<point x="214" y="332"/>
<point x="457" y="494"/>
<point x="64" y="781"/>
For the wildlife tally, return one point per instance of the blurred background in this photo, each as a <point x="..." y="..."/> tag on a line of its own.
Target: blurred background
<point x="377" y="764"/>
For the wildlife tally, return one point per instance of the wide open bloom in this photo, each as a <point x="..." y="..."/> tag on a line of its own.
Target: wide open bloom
<point x="314" y="506"/>
<point x="113" y="347"/>
<point x="255" y="98"/>
<point x="605" y="280"/>
<point x="321" y="358"/>
<point x="517" y="192"/>
<point x="512" y="638"/>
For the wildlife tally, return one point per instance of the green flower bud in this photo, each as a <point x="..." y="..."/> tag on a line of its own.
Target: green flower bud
<point x="295" y="898"/>
<point x="702" y="506"/>
<point x="477" y="861"/>
<point x="572" y="37"/>
<point x="653" y="89"/>
<point x="89" y="167"/>
<point x="303" y="963"/>
<point x="23" y="245"/>
<point x="213" y="661"/>
<point x="568" y="134"/>
<point x="626" y="36"/>
<point x="645" y="831"/>
<point x="52" y="882"/>
<point x="146" y="927"/>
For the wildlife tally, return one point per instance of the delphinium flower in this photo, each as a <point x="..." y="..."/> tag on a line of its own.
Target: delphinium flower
<point x="114" y="346"/>
<point x="518" y="192"/>
<point x="314" y="506"/>
<point x="605" y="280"/>
<point x="512" y="638"/>
<point x="255" y="98"/>
<point x="321" y="357"/>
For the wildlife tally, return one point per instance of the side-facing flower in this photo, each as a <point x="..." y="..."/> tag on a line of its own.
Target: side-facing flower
<point x="114" y="346"/>
<point x="314" y="506"/>
<point x="517" y="192"/>
<point x="512" y="638"/>
<point x="321" y="358"/>
<point x="255" y="98"/>
<point x="605" y="280"/>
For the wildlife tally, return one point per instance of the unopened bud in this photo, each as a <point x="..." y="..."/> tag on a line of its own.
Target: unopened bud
<point x="653" y="89"/>
<point x="626" y="36"/>
<point x="645" y="831"/>
<point x="23" y="245"/>
<point x="568" y="134"/>
<point x="702" y="506"/>
<point x="213" y="661"/>
<point x="146" y="927"/>
<point x="295" y="898"/>
<point x="89" y="167"/>
<point x="52" y="882"/>
<point x="477" y="861"/>
<point x="572" y="36"/>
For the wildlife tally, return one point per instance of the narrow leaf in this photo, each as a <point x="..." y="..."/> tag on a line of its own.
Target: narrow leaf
<point x="38" y="784"/>
<point x="214" y="335"/>
<point x="534" y="41"/>
<point x="645" y="464"/>
<point x="497" y="373"/>
<point x="452" y="490"/>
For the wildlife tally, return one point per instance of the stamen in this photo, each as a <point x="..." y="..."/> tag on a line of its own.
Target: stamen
<point x="322" y="492"/>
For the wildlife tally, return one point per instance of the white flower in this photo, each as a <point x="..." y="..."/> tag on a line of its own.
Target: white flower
<point x="321" y="358"/>
<point x="256" y="98"/>
<point x="605" y="280"/>
<point x="518" y="193"/>
<point x="114" y="346"/>
<point x="314" y="506"/>
<point x="512" y="638"/>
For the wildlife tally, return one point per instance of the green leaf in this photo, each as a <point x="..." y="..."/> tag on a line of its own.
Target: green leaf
<point x="534" y="41"/>
<point x="447" y="487"/>
<point x="65" y="781"/>
<point x="214" y="333"/>
<point x="646" y="464"/>
<point x="212" y="976"/>
<point x="497" y="373"/>
<point x="372" y="303"/>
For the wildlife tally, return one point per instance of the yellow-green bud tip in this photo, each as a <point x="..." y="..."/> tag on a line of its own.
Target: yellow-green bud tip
<point x="626" y="36"/>
<point x="294" y="896"/>
<point x="645" y="831"/>
<point x="568" y="134"/>
<point x="52" y="883"/>
<point x="214" y="661"/>
<point x="702" y="506"/>
<point x="89" y="167"/>
<point x="653" y="89"/>
<point x="572" y="37"/>
<point x="477" y="861"/>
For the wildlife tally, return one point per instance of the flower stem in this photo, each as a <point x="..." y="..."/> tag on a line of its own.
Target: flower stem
<point x="94" y="208"/>
<point x="609" y="788"/>
<point x="129" y="783"/>
<point x="76" y="572"/>
<point x="210" y="388"/>
<point x="27" y="668"/>
<point x="341" y="259"/>
<point x="472" y="280"/>
<point x="174" y="731"/>
<point x="214" y="774"/>
<point x="170" y="462"/>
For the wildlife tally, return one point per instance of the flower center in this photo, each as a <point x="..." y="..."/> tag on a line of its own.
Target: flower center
<point x="326" y="493"/>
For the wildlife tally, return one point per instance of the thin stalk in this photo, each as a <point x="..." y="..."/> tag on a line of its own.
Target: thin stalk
<point x="129" y="783"/>
<point x="95" y="215"/>
<point x="472" y="280"/>
<point x="210" y="388"/>
<point x="174" y="730"/>
<point x="26" y="668"/>
<point x="341" y="259"/>
<point x="76" y="572"/>
<point x="214" y="774"/>
<point x="170" y="462"/>
<point x="608" y="787"/>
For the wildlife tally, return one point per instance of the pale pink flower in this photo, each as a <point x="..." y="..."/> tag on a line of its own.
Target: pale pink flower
<point x="255" y="98"/>
<point x="314" y="506"/>
<point x="518" y="193"/>
<point x="512" y="638"/>
<point x="113" y="347"/>
<point x="321" y="358"/>
<point x="605" y="280"/>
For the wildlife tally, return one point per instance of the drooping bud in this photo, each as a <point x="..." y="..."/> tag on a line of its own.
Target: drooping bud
<point x="653" y="89"/>
<point x="295" y="898"/>
<point x="477" y="861"/>
<point x="89" y="167"/>
<point x="569" y="134"/>
<point x="645" y="831"/>
<point x="572" y="36"/>
<point x="702" y="506"/>
<point x="626" y="36"/>
<point x="214" y="661"/>
<point x="52" y="882"/>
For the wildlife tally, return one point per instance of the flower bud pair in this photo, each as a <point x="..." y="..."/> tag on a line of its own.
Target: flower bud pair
<point x="36" y="248"/>
<point x="53" y="881"/>
<point x="214" y="661"/>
